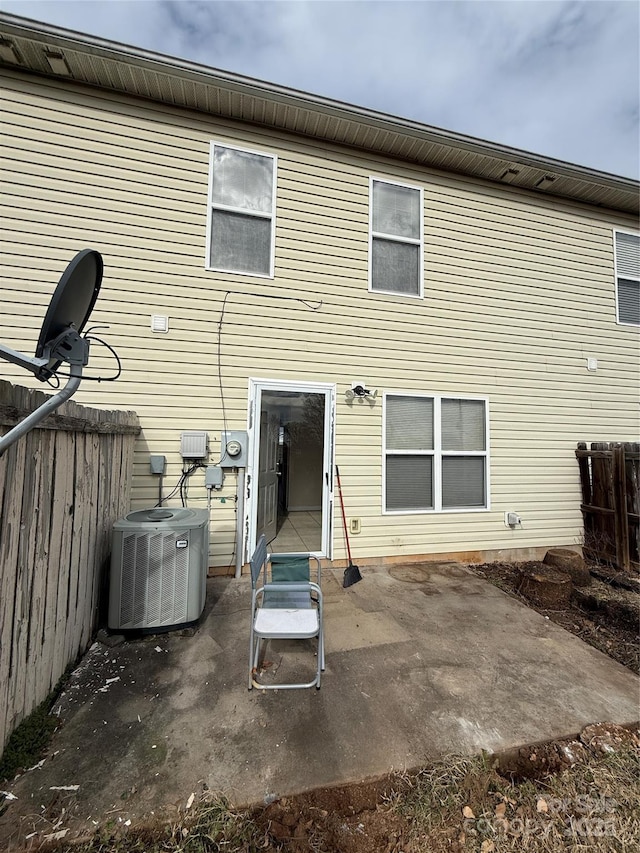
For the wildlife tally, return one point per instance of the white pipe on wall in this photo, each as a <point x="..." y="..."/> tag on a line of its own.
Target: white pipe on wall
<point x="239" y="521"/>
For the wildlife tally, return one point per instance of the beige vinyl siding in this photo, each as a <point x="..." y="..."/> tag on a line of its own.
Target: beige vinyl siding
<point x="518" y="290"/>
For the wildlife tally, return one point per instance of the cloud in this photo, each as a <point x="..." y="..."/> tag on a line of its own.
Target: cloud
<point x="557" y="78"/>
<point x="218" y="34"/>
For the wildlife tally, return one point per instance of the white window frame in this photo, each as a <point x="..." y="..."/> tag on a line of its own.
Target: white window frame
<point x="230" y="209"/>
<point x="617" y="231"/>
<point x="394" y="237"/>
<point x="437" y="453"/>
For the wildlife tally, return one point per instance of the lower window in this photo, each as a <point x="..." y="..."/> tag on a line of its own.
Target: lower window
<point x="436" y="453"/>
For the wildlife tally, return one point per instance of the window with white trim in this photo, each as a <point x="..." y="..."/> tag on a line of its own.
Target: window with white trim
<point x="241" y="220"/>
<point x="395" y="238"/>
<point x="627" y="257"/>
<point x="435" y="453"/>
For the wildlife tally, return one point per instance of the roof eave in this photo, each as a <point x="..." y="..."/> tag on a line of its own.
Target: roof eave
<point x="342" y="123"/>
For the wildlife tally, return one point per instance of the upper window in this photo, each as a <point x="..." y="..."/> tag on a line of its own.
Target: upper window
<point x="242" y="197"/>
<point x="436" y="455"/>
<point x="628" y="277"/>
<point x="395" y="238"/>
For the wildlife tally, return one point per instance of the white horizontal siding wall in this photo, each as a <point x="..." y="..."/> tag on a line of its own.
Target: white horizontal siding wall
<point x="519" y="291"/>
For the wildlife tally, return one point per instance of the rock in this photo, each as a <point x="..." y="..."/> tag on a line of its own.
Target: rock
<point x="571" y="563"/>
<point x="109" y="640"/>
<point x="607" y="737"/>
<point x="544" y="586"/>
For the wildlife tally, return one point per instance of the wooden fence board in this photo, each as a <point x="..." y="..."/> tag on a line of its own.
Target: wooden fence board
<point x="43" y="561"/>
<point x="59" y="476"/>
<point x="62" y="486"/>
<point x="63" y="510"/>
<point x="632" y="487"/>
<point x="11" y="512"/>
<point x="78" y="574"/>
<point x="94" y="562"/>
<point x="38" y="533"/>
<point x="23" y="582"/>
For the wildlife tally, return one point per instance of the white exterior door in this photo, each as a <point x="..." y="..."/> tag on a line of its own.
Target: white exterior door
<point x="289" y="472"/>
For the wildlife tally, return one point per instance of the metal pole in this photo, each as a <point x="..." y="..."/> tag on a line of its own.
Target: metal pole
<point x="42" y="411"/>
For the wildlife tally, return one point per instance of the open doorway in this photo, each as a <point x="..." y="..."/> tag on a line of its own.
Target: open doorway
<point x="291" y="483"/>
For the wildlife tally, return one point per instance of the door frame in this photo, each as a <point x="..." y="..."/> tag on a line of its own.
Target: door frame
<point x="256" y="387"/>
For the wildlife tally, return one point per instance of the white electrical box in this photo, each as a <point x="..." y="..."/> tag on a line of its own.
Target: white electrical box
<point x="194" y="445"/>
<point x="213" y="477"/>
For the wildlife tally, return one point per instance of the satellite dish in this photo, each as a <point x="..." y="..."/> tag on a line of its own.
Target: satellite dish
<point x="71" y="304"/>
<point x="60" y="340"/>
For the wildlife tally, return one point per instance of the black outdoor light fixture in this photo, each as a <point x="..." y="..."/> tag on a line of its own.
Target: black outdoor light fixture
<point x="359" y="389"/>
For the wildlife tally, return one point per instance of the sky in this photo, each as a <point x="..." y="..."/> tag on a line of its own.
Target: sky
<point x="560" y="79"/>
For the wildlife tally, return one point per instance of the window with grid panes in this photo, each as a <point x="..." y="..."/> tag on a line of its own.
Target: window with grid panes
<point x="627" y="254"/>
<point x="395" y="238"/>
<point x="241" y="211"/>
<point x="436" y="455"/>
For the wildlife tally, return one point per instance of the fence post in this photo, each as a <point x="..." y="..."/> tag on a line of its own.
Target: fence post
<point x="632" y="480"/>
<point x="604" y="524"/>
<point x="587" y="498"/>
<point x="620" y="505"/>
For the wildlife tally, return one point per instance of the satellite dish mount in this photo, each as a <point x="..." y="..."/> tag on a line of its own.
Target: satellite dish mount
<point x="60" y="340"/>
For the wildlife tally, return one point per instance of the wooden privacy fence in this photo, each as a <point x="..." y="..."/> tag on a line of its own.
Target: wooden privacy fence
<point x="610" y="480"/>
<point x="61" y="488"/>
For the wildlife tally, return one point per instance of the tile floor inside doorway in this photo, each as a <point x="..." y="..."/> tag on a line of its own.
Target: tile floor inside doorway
<point x="300" y="531"/>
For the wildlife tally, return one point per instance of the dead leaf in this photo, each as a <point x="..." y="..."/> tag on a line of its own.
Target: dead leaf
<point x="56" y="836"/>
<point x="468" y="813"/>
<point x="533" y="757"/>
<point x="487" y="846"/>
<point x="542" y="806"/>
<point x="501" y="809"/>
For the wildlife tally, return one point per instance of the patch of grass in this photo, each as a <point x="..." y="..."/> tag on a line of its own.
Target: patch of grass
<point x="215" y="827"/>
<point x="432" y="801"/>
<point x="26" y="743"/>
<point x="464" y="805"/>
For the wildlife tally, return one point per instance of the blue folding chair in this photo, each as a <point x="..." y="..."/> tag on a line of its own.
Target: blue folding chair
<point x="285" y="605"/>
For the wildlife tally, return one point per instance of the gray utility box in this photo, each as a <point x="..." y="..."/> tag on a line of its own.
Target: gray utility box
<point x="159" y="563"/>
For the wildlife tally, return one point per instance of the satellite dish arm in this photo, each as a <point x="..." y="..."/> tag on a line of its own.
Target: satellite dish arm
<point x="68" y="347"/>
<point x="45" y="409"/>
<point x="32" y="364"/>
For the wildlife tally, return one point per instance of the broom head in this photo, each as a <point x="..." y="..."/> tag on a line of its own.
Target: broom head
<point x="351" y="575"/>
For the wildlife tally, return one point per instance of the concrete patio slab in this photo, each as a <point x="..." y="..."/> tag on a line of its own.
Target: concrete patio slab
<point x="419" y="663"/>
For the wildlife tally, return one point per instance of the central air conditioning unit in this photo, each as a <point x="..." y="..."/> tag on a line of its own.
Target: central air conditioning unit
<point x="159" y="563"/>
